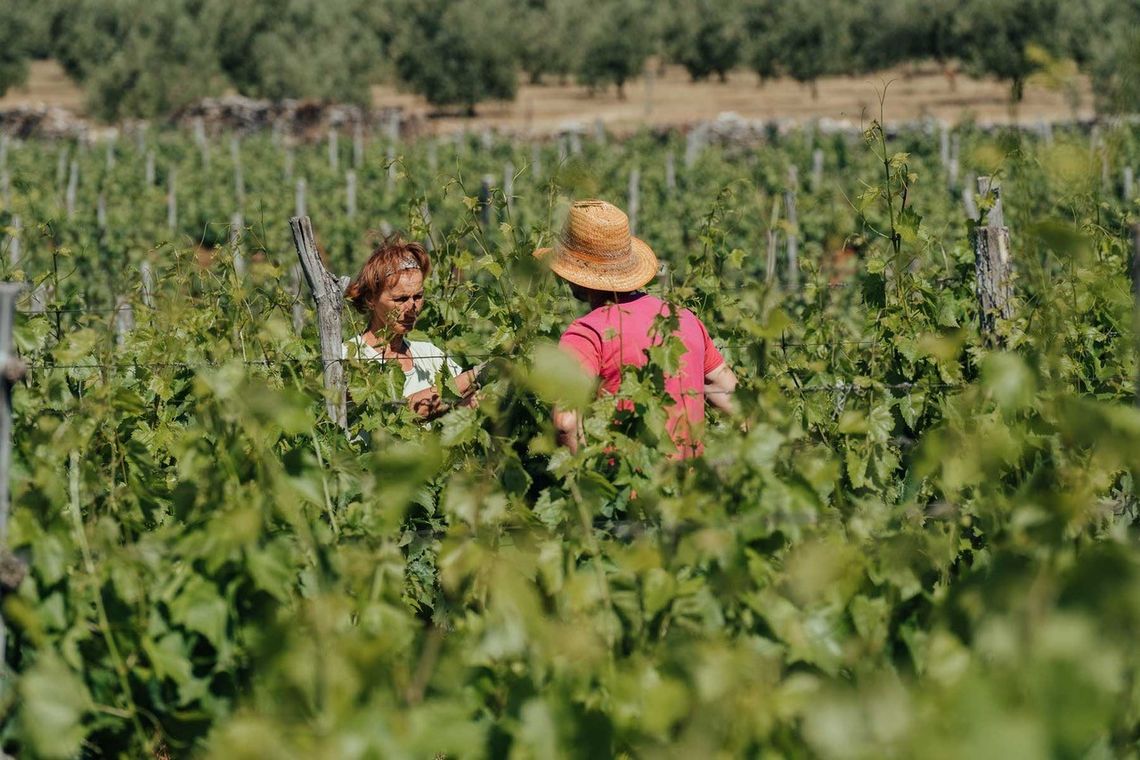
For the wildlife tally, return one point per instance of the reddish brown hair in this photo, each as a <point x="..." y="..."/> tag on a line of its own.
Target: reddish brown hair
<point x="383" y="268"/>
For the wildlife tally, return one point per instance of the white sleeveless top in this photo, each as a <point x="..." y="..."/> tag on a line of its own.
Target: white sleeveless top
<point x="427" y="362"/>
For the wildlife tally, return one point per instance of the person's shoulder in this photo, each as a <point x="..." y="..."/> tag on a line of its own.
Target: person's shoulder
<point x="423" y="348"/>
<point x="425" y="352"/>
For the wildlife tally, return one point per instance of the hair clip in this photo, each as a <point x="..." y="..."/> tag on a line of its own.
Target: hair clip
<point x="404" y="265"/>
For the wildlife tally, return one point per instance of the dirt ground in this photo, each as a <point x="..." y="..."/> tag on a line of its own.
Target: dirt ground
<point x="667" y="97"/>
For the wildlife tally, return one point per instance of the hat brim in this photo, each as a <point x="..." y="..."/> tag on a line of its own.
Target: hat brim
<point x="622" y="276"/>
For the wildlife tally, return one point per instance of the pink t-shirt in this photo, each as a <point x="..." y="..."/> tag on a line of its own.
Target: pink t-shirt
<point x="619" y="334"/>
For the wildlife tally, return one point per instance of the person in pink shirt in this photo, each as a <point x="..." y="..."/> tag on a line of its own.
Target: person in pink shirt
<point x="607" y="267"/>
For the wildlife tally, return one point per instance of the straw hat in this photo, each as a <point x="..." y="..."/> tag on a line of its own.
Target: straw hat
<point x="597" y="251"/>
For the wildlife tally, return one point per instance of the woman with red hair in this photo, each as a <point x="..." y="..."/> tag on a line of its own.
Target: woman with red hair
<point x="389" y="291"/>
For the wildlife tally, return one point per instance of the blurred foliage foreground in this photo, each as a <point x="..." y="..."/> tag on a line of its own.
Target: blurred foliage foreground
<point x="921" y="546"/>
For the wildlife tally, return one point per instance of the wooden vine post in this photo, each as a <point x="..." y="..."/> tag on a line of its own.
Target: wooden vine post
<point x="485" y="200"/>
<point x="509" y="185"/>
<point x="993" y="266"/>
<point x="328" y="294"/>
<point x="793" y="228"/>
<point x="1136" y="305"/>
<point x="11" y="372"/>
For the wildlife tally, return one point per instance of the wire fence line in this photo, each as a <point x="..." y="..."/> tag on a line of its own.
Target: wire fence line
<point x="844" y="386"/>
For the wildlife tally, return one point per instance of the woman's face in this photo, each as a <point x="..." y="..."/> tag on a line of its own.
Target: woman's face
<point x="399" y="304"/>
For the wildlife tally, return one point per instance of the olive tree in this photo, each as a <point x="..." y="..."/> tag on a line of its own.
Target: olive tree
<point x="758" y="18"/>
<point x="15" y="37"/>
<point x="704" y="36"/>
<point x="455" y="53"/>
<point x="998" y="38"/>
<point x="543" y="40"/>
<point x="615" y="41"/>
<point x="139" y="58"/>
<point x="328" y="49"/>
<point x="810" y="40"/>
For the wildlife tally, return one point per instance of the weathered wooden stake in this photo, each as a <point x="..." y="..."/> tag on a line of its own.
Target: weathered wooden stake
<point x="15" y="242"/>
<point x="237" y="225"/>
<point x="425" y="214"/>
<point x="694" y="144"/>
<point x="148" y="169"/>
<point x="509" y="185"/>
<point x="5" y="190"/>
<point x="357" y="146"/>
<point x="172" y="200"/>
<point x="773" y="240"/>
<point x="299" y="198"/>
<point x="61" y="170"/>
<point x="817" y="159"/>
<point x="954" y="167"/>
<point x="72" y="189"/>
<point x="993" y="266"/>
<point x="334" y="151"/>
<point x="239" y="178"/>
<point x="350" y="193"/>
<point x="670" y="172"/>
<point x="298" y="308"/>
<point x="146" y="277"/>
<point x="288" y="164"/>
<point x="793" y="228"/>
<point x="969" y="202"/>
<point x="101" y="212"/>
<point x="11" y="372"/>
<point x="393" y="168"/>
<point x="1136" y="307"/>
<point x="392" y="125"/>
<point x="1128" y="185"/>
<point x="575" y="144"/>
<point x="395" y="118"/>
<point x="124" y="321"/>
<point x="328" y="294"/>
<point x="634" y="198"/>
<point x="203" y="143"/>
<point x="944" y="144"/>
<point x="599" y="131"/>
<point x="485" y="186"/>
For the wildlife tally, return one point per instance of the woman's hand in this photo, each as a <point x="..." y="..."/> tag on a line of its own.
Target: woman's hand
<point x="427" y="403"/>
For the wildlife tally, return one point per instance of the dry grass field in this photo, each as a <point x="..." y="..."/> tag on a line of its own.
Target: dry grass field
<point x="668" y="97"/>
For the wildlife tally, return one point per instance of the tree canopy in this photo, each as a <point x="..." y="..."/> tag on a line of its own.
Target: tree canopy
<point x="146" y="57"/>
